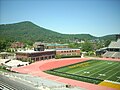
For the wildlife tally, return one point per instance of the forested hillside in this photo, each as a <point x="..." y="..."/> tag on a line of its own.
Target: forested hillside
<point x="29" y="32"/>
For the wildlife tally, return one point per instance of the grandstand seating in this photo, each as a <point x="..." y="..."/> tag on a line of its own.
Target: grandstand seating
<point x="113" y="50"/>
<point x="116" y="54"/>
<point x="109" y="54"/>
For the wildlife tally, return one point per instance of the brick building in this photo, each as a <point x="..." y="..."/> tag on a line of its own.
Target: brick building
<point x="67" y="52"/>
<point x="40" y="53"/>
<point x="35" y="55"/>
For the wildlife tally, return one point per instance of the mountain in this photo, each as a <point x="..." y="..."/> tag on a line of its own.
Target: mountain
<point x="28" y="31"/>
<point x="109" y="37"/>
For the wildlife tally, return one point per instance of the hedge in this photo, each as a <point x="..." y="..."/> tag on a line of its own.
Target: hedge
<point x="76" y="77"/>
<point x="70" y="56"/>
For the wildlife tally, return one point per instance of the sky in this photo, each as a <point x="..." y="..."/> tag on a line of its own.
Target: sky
<point x="95" y="17"/>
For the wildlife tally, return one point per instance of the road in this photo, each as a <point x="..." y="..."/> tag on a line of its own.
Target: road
<point x="7" y="83"/>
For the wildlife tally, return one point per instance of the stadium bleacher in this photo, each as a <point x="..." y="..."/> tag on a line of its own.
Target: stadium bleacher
<point x="39" y="82"/>
<point x="116" y="54"/>
<point x="113" y="50"/>
<point x="108" y="54"/>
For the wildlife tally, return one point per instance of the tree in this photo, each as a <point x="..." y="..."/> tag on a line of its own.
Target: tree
<point x="57" y="56"/>
<point x="4" y="44"/>
<point x="74" y="45"/>
<point x="87" y="46"/>
<point x="107" y="42"/>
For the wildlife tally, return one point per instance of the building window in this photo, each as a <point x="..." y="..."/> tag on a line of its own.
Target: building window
<point x="49" y="57"/>
<point x="37" y="59"/>
<point x="41" y="58"/>
<point x="53" y="56"/>
<point x="46" y="57"/>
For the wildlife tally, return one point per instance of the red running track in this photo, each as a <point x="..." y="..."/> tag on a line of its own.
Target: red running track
<point x="37" y="69"/>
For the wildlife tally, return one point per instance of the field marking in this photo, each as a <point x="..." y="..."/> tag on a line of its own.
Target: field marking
<point x="61" y="69"/>
<point x="117" y="80"/>
<point x="112" y="75"/>
<point x="97" y="67"/>
<point x="94" y="66"/>
<point x="70" y="69"/>
<point x="102" y="69"/>
<point x="93" y="70"/>
<point x="112" y="69"/>
<point x="87" y="68"/>
<point x="109" y="71"/>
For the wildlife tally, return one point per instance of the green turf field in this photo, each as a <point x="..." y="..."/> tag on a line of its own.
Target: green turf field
<point x="92" y="71"/>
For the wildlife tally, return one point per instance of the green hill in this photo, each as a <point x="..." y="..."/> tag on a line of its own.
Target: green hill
<point x="28" y="31"/>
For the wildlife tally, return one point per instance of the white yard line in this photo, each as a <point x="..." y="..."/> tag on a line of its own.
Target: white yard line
<point x="112" y="75"/>
<point x="98" y="67"/>
<point x="110" y="70"/>
<point x="102" y="70"/>
<point x="94" y="69"/>
<point x="87" y="68"/>
<point x="117" y="79"/>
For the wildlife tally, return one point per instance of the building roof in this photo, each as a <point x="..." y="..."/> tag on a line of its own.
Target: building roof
<point x="14" y="63"/>
<point x="115" y="44"/>
<point x="32" y="51"/>
<point x="102" y="49"/>
<point x="38" y="43"/>
<point x="47" y="50"/>
<point x="27" y="51"/>
<point x="56" y="44"/>
<point x="67" y="49"/>
<point x="4" y="60"/>
<point x="50" y="44"/>
<point x="62" y="49"/>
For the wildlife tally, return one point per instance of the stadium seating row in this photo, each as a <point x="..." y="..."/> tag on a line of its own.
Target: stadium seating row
<point x="109" y="54"/>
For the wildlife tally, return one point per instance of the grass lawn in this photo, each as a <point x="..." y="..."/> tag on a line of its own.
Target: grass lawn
<point x="3" y="69"/>
<point x="92" y="71"/>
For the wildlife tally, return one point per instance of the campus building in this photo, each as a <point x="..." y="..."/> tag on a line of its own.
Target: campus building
<point x="55" y="45"/>
<point x="46" y="54"/>
<point x="50" y="45"/>
<point x="35" y="55"/>
<point x="40" y="53"/>
<point x="68" y="52"/>
<point x="38" y="46"/>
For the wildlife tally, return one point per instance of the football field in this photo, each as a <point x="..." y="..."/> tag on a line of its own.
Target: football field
<point x="92" y="71"/>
